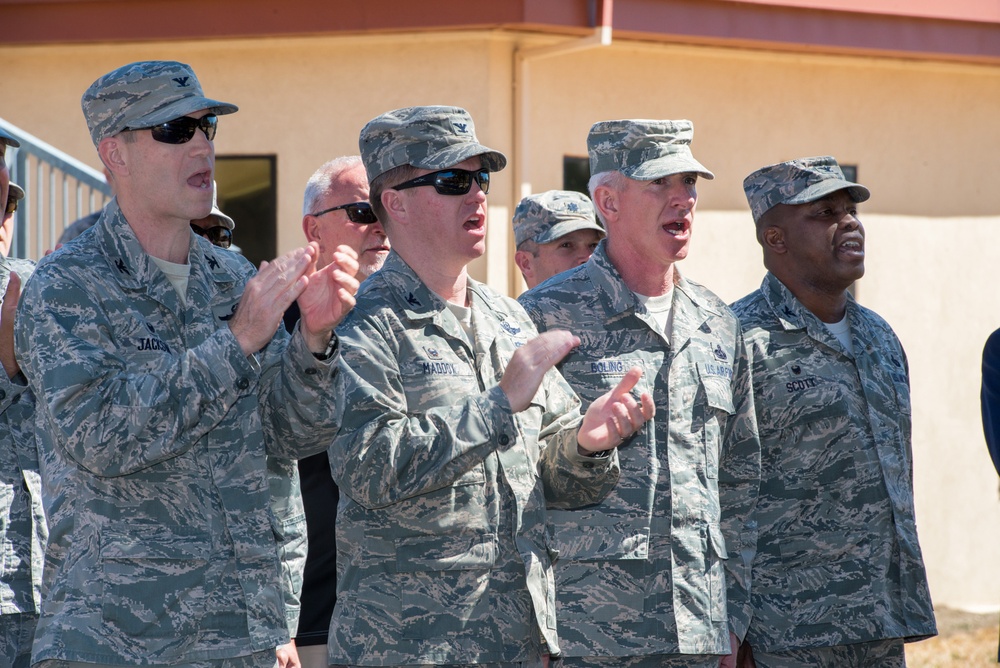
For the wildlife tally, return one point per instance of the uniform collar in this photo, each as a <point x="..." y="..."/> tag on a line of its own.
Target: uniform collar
<point x="792" y="315"/>
<point x="133" y="268"/>
<point x="619" y="299"/>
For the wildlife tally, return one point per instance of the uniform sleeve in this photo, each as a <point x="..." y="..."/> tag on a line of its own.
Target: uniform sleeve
<point x="388" y="451"/>
<point x="571" y="480"/>
<point x="739" y="487"/>
<point x="115" y="411"/>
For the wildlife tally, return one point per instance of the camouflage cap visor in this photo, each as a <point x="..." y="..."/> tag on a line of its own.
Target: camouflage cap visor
<point x="823" y="188"/>
<point x="563" y="228"/>
<point x="680" y="162"/>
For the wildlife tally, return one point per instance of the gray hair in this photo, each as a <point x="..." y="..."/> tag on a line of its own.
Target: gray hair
<point x="319" y="182"/>
<point x="610" y="179"/>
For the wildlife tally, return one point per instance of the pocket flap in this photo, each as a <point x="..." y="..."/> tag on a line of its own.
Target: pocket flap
<point x="597" y="542"/>
<point x="446" y="553"/>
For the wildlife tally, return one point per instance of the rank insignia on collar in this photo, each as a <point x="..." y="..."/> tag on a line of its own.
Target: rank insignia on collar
<point x="120" y="265"/>
<point x="411" y="300"/>
<point x="212" y="262"/>
<point x="719" y="353"/>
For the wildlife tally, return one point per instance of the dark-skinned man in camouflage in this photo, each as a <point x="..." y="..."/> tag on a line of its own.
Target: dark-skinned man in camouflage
<point x="838" y="578"/>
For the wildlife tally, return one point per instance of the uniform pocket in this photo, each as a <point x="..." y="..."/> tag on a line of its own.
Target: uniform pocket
<point x="154" y="584"/>
<point x="444" y="582"/>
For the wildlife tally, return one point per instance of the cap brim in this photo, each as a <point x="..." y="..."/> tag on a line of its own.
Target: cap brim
<point x="183" y="107"/>
<point x="16" y="191"/>
<point x="458" y="153"/>
<point x="823" y="188"/>
<point x="665" y="166"/>
<point x="565" y="227"/>
<point x="226" y="221"/>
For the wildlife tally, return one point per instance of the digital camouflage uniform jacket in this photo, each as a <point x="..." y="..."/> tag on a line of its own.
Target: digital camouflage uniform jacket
<point x="838" y="560"/>
<point x="444" y="555"/>
<point x="152" y="432"/>
<point x="647" y="571"/>
<point x="22" y="520"/>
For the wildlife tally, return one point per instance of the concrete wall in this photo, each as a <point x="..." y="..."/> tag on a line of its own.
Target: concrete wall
<point x="923" y="135"/>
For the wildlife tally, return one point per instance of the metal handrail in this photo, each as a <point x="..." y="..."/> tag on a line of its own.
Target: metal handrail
<point x="59" y="190"/>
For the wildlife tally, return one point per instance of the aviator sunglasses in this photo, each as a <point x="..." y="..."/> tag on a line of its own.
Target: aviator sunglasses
<point x="450" y="181"/>
<point x="11" y="205"/>
<point x="357" y="212"/>
<point x="181" y="130"/>
<point x="218" y="236"/>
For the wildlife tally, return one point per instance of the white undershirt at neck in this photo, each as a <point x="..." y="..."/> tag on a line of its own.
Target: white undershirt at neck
<point x="842" y="330"/>
<point x="177" y="274"/>
<point x="659" y="308"/>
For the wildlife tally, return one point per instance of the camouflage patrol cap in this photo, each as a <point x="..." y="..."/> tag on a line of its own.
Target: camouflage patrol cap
<point x="144" y="94"/>
<point x="547" y="216"/>
<point x="797" y="182"/>
<point x="643" y="149"/>
<point x="425" y="137"/>
<point x="8" y="139"/>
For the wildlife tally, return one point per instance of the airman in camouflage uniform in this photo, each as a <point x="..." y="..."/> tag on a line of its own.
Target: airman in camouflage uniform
<point x="658" y="572"/>
<point x="23" y="531"/>
<point x="459" y="430"/>
<point x="162" y="385"/>
<point x="553" y="231"/>
<point x="838" y="578"/>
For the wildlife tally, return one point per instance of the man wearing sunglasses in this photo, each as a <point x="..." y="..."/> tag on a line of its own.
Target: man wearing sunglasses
<point x="667" y="561"/>
<point x="23" y="531"/>
<point x="459" y="429"/>
<point x="335" y="211"/>
<point x="163" y="383"/>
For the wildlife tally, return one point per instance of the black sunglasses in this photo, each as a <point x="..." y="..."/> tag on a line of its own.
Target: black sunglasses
<point x="357" y="212"/>
<point x="450" y="181"/>
<point x="181" y="130"/>
<point x="219" y="236"/>
<point x="11" y="205"/>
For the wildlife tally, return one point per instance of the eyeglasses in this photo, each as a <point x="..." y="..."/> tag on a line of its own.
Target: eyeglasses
<point x="357" y="212"/>
<point x="450" y="181"/>
<point x="181" y="130"/>
<point x="11" y="205"/>
<point x="219" y="236"/>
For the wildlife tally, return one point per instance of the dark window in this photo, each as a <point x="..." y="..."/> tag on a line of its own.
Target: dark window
<point x="576" y="173"/>
<point x="850" y="172"/>
<point x="247" y="189"/>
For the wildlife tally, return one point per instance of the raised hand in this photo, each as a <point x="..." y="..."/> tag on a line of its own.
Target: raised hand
<point x="266" y="296"/>
<point x="615" y="416"/>
<point x="328" y="296"/>
<point x="529" y="364"/>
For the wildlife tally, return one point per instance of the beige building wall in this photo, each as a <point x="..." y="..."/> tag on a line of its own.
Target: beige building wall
<point x="923" y="135"/>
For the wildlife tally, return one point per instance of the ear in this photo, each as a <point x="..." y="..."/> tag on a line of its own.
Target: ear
<point x="113" y="155"/>
<point x="311" y="228"/>
<point x="606" y="202"/>
<point x="773" y="239"/>
<point x="394" y="204"/>
<point x="523" y="261"/>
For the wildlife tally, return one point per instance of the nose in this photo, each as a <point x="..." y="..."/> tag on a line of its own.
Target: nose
<point x="685" y="196"/>
<point x="200" y="144"/>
